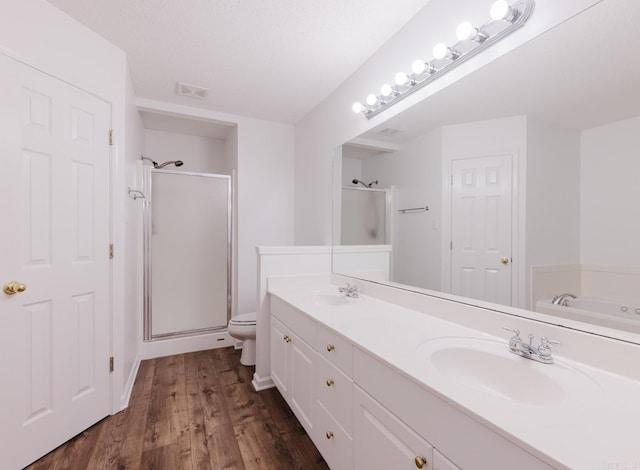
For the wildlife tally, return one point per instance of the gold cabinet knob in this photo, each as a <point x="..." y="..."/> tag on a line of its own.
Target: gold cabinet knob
<point x="420" y="461"/>
<point x="504" y="260"/>
<point x="13" y="287"/>
<point x="286" y="339"/>
<point x="330" y="347"/>
<point x="329" y="435"/>
<point x="330" y="382"/>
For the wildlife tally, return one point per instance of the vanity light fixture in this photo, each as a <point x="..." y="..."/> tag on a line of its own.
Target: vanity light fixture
<point x="505" y="18"/>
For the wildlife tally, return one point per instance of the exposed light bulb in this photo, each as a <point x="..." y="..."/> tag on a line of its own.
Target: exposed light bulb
<point x="357" y="107"/>
<point x="401" y="78"/>
<point x="372" y="99"/>
<point x="501" y="10"/>
<point x="419" y="66"/>
<point x="442" y="51"/>
<point x="386" y="90"/>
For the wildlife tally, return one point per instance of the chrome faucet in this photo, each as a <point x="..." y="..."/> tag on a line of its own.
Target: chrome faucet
<point x="542" y="353"/>
<point x="562" y="299"/>
<point x="349" y="290"/>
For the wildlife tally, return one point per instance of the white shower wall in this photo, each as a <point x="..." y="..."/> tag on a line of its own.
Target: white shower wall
<point x="199" y="154"/>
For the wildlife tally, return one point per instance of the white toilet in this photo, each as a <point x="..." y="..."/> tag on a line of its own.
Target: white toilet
<point x="243" y="327"/>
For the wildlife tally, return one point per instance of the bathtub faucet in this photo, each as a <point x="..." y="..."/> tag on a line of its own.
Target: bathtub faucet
<point x="562" y="299"/>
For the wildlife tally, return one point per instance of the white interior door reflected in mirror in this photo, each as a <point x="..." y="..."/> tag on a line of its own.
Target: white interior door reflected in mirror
<point x="481" y="228"/>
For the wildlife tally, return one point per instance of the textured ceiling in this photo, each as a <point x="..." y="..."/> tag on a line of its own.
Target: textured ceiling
<point x="269" y="59"/>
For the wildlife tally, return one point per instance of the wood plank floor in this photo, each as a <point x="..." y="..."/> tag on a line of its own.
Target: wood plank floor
<point x="193" y="411"/>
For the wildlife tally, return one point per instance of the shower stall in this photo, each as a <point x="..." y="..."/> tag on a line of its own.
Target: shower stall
<point x="187" y="252"/>
<point x="365" y="215"/>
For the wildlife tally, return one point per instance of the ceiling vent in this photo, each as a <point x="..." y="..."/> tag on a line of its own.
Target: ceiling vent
<point x="192" y="91"/>
<point x="388" y="132"/>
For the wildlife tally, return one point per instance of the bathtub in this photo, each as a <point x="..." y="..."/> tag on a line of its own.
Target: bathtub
<point x="622" y="316"/>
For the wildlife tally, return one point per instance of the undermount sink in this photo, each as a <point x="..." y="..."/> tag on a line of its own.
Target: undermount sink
<point x="488" y="367"/>
<point x="330" y="299"/>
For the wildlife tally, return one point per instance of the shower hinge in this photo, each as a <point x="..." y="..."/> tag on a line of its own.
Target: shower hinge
<point x="110" y="136"/>
<point x="111" y="364"/>
<point x="111" y="251"/>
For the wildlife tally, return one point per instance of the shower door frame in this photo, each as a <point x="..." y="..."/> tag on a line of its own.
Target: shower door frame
<point x="147" y="252"/>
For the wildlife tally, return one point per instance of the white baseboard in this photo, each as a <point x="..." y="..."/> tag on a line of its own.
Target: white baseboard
<point x="262" y="383"/>
<point x="126" y="395"/>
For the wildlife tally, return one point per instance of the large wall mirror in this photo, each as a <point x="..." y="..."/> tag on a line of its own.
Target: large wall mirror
<point x="513" y="185"/>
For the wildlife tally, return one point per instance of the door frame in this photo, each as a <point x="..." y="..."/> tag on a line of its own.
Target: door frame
<point x="117" y="400"/>
<point x="518" y="276"/>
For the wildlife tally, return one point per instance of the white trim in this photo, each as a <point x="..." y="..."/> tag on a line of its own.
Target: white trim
<point x="126" y="394"/>
<point x="262" y="383"/>
<point x="169" y="347"/>
<point x="362" y="248"/>
<point x="292" y="250"/>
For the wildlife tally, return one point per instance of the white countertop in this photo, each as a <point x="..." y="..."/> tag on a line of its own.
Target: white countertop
<point x="597" y="430"/>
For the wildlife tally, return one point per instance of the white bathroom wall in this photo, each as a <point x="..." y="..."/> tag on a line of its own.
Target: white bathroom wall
<point x="609" y="169"/>
<point x="552" y="198"/>
<point x="416" y="174"/>
<point x="42" y="36"/>
<point x="332" y="122"/>
<point x="351" y="168"/>
<point x="199" y="154"/>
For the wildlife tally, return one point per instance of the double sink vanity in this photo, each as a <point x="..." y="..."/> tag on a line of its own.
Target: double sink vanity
<point x="385" y="379"/>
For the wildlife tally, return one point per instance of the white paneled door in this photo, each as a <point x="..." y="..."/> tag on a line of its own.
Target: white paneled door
<point x="54" y="205"/>
<point x="481" y="228"/>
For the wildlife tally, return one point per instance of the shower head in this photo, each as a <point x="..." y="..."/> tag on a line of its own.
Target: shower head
<point x="356" y="181"/>
<point x="162" y="165"/>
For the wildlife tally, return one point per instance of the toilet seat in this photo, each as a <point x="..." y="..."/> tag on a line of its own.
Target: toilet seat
<point x="244" y="319"/>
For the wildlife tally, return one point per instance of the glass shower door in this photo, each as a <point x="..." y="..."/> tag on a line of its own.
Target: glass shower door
<point x="188" y="253"/>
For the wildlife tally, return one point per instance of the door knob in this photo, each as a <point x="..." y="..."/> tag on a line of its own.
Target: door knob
<point x="13" y="287"/>
<point x="504" y="260"/>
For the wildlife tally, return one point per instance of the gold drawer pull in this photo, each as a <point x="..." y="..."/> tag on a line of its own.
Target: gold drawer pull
<point x="420" y="461"/>
<point x="329" y="435"/>
<point x="330" y="347"/>
<point x="330" y="382"/>
<point x="286" y="339"/>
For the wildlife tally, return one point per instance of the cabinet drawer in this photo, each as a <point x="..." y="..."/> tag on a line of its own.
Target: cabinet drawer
<point x="335" y="445"/>
<point x="295" y="320"/>
<point x="334" y="390"/>
<point x="382" y="441"/>
<point x="335" y="349"/>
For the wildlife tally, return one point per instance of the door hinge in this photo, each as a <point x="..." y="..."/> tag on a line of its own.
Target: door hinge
<point x="111" y="251"/>
<point x="111" y="364"/>
<point x="110" y="136"/>
<point x="451" y="246"/>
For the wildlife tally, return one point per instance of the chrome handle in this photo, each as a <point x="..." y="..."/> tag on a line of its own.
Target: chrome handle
<point x="504" y="260"/>
<point x="420" y="461"/>
<point x="544" y="341"/>
<point x="330" y="382"/>
<point x="515" y="331"/>
<point x="13" y="287"/>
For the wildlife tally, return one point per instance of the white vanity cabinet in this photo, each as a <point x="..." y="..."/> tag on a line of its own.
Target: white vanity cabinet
<point x="292" y="362"/>
<point x="333" y="433"/>
<point x="383" y="442"/>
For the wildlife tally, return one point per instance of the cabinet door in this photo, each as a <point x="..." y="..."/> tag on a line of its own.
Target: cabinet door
<point x="382" y="441"/>
<point x="301" y="385"/>
<point x="280" y="338"/>
<point x="440" y="462"/>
